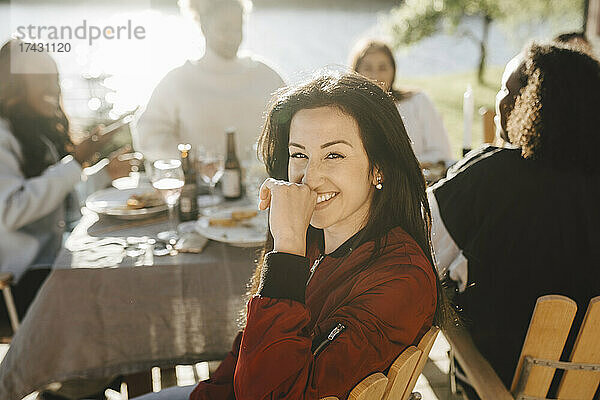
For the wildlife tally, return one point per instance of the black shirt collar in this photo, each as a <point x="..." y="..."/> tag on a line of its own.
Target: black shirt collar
<point x="343" y="249"/>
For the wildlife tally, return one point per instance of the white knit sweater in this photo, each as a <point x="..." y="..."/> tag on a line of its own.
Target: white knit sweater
<point x="197" y="101"/>
<point x="425" y="128"/>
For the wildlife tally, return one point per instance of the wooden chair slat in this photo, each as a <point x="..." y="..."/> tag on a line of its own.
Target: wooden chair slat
<point x="5" y="279"/>
<point x="400" y="373"/>
<point x="583" y="384"/>
<point x="425" y="345"/>
<point x="489" y="129"/>
<point x="370" y="388"/>
<point x="546" y="337"/>
<point x="481" y="375"/>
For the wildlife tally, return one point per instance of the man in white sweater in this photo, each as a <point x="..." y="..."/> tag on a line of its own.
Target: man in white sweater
<point x="195" y="102"/>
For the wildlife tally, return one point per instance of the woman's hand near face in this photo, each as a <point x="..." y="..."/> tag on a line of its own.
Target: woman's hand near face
<point x="291" y="207"/>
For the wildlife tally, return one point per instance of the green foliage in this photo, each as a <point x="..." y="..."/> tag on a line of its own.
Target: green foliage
<point x="418" y="19"/>
<point x="541" y="11"/>
<point x="411" y="23"/>
<point x="415" y="20"/>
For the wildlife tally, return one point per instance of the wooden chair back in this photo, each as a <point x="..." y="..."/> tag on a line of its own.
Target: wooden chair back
<point x="370" y="388"/>
<point x="6" y="279"/>
<point x="425" y="345"/>
<point x="400" y="374"/>
<point x="489" y="128"/>
<point x="548" y="330"/>
<point x="582" y="384"/>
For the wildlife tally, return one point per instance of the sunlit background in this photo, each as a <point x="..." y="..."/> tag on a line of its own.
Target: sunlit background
<point x="110" y="77"/>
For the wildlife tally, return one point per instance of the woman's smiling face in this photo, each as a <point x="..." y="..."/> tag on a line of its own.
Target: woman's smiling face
<point x="327" y="154"/>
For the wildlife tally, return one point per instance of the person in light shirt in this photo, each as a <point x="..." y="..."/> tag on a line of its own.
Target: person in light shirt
<point x="375" y="60"/>
<point x="196" y="102"/>
<point x="40" y="166"/>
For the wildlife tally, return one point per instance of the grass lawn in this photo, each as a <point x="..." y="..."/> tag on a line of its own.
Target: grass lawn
<point x="447" y="91"/>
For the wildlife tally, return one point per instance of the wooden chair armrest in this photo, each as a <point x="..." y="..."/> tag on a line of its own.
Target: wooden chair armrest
<point x="5" y="279"/>
<point x="478" y="370"/>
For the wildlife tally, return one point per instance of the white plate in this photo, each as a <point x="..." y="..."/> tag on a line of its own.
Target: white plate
<point x="113" y="202"/>
<point x="250" y="233"/>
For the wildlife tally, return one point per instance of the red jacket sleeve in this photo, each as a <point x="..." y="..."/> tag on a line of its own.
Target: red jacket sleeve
<point x="220" y="384"/>
<point x="388" y="309"/>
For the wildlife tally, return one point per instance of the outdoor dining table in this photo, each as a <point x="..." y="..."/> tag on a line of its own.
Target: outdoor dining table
<point x="105" y="310"/>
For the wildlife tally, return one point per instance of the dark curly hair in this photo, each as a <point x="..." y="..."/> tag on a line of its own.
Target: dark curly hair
<point x="556" y="120"/>
<point x="569" y="36"/>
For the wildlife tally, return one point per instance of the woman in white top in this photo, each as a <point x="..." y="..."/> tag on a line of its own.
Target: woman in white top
<point x="39" y="164"/>
<point x="375" y="60"/>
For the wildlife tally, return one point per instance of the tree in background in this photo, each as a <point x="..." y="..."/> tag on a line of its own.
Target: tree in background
<point x="418" y="19"/>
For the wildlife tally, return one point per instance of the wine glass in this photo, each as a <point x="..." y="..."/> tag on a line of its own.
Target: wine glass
<point x="255" y="174"/>
<point x="168" y="179"/>
<point x="210" y="166"/>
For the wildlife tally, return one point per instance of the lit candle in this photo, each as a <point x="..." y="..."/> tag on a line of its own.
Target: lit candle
<point x="468" y="110"/>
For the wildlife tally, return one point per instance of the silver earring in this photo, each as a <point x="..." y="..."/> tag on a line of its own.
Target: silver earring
<point x="379" y="184"/>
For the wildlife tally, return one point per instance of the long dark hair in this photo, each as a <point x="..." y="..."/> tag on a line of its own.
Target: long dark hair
<point x="555" y="120"/>
<point x="26" y="125"/>
<point x="402" y="201"/>
<point x="363" y="48"/>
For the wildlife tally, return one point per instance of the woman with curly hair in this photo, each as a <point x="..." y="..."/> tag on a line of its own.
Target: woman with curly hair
<point x="524" y="219"/>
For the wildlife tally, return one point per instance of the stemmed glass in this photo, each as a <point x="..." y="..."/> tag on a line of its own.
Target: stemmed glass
<point x="168" y="179"/>
<point x="255" y="175"/>
<point x="210" y="166"/>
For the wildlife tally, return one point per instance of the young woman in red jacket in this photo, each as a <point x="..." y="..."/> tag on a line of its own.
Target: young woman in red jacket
<point x="346" y="282"/>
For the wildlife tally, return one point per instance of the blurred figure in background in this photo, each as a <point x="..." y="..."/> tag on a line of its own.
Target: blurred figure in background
<point x="578" y="40"/>
<point x="197" y="101"/>
<point x="513" y="81"/>
<point x="39" y="166"/>
<point x="424" y="125"/>
<point x="513" y="224"/>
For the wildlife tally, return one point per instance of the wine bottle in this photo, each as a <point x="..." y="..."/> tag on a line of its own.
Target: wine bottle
<point x="188" y="202"/>
<point x="231" y="181"/>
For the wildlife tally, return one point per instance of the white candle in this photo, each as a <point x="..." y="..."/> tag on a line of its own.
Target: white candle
<point x="468" y="110"/>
